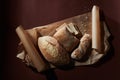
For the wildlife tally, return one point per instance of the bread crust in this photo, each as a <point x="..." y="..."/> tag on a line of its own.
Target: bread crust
<point x="53" y="51"/>
<point x="66" y="39"/>
<point x="83" y="47"/>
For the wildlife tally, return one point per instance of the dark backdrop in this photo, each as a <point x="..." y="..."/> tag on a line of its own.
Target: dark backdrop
<point x="31" y="13"/>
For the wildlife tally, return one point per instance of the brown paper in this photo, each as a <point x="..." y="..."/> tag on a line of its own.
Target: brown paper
<point x="84" y="24"/>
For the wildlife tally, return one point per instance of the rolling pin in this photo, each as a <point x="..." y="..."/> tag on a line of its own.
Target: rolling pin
<point x="37" y="60"/>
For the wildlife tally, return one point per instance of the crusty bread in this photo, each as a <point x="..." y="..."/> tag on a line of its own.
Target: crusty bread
<point x="74" y="30"/>
<point x="83" y="47"/>
<point x="65" y="38"/>
<point x="52" y="51"/>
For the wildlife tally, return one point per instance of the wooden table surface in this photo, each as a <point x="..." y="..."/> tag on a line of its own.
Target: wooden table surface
<point x="31" y="13"/>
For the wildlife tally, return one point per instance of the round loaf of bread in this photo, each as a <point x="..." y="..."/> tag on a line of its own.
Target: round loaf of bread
<point x="52" y="51"/>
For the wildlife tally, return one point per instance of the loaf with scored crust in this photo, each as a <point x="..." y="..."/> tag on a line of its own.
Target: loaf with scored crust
<point x="52" y="51"/>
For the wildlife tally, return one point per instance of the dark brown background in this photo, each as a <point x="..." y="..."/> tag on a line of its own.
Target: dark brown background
<point x="31" y="13"/>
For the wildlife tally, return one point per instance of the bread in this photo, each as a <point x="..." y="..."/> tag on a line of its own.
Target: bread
<point x="83" y="47"/>
<point x="74" y="30"/>
<point x="66" y="38"/>
<point x="52" y="51"/>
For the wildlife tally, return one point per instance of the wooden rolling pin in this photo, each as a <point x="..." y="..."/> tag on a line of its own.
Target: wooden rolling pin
<point x="96" y="29"/>
<point x="38" y="62"/>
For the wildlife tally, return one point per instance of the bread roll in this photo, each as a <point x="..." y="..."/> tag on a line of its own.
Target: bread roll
<point x="84" y="45"/>
<point x="65" y="38"/>
<point x="52" y="51"/>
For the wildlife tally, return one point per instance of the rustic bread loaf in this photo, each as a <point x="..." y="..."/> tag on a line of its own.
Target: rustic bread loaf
<point x="52" y="51"/>
<point x="83" y="47"/>
<point x="66" y="38"/>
